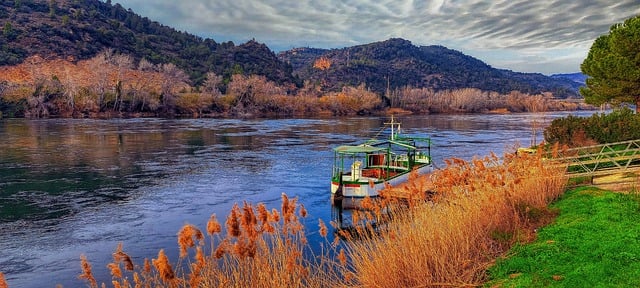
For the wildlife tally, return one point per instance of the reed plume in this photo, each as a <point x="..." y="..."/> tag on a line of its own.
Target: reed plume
<point x="285" y="205"/>
<point x="222" y="249"/>
<point x="342" y="258"/>
<point x="3" y="282"/>
<point x="249" y="221"/>
<point x="86" y="272"/>
<point x="163" y="267"/>
<point x="265" y="219"/>
<point x="115" y="270"/>
<point x="120" y="257"/>
<point x="233" y="224"/>
<point x="213" y="226"/>
<point x="263" y="213"/>
<point x="323" y="228"/>
<point x="195" y="276"/>
<point x="275" y="216"/>
<point x="137" y="280"/>
<point x="147" y="266"/>
<point x="187" y="238"/>
<point x="303" y="211"/>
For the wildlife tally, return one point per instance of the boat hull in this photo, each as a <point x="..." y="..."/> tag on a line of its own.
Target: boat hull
<point x="365" y="187"/>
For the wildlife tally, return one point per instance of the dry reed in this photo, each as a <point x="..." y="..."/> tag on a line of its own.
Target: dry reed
<point x="473" y="212"/>
<point x="163" y="266"/>
<point x="3" y="282"/>
<point x="481" y="208"/>
<point x="259" y="248"/>
<point x="87" y="274"/>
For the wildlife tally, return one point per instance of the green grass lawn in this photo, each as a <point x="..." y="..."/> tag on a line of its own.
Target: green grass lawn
<point x="594" y="242"/>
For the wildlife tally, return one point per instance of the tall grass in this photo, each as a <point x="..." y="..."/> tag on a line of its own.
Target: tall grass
<point x="449" y="237"/>
<point x="256" y="248"/>
<point x="3" y="282"/>
<point x="481" y="208"/>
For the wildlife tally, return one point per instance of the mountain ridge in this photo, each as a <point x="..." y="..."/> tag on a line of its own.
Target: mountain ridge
<point x="81" y="29"/>
<point x="433" y="66"/>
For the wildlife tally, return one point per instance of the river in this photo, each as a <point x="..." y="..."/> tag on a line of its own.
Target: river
<point x="81" y="186"/>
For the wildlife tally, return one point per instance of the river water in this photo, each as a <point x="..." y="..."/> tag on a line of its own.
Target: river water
<point x="70" y="187"/>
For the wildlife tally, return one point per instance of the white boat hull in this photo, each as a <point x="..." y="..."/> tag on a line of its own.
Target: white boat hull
<point x="354" y="193"/>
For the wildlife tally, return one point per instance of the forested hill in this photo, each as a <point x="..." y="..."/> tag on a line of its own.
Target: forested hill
<point x="397" y="63"/>
<point x="81" y="29"/>
<point x="78" y="30"/>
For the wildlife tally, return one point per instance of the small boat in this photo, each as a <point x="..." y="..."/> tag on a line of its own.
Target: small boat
<point x="363" y="170"/>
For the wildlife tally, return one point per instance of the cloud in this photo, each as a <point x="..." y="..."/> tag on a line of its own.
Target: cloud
<point x="520" y="27"/>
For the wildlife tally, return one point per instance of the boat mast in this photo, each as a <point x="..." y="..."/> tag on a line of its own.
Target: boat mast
<point x="393" y="123"/>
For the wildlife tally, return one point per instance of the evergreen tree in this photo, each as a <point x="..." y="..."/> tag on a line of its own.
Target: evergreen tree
<point x="613" y="66"/>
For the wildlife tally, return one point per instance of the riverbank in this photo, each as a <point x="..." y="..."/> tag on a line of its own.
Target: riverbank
<point x="594" y="242"/>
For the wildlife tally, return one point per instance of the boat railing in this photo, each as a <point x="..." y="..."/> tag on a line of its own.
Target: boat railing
<point x="337" y="171"/>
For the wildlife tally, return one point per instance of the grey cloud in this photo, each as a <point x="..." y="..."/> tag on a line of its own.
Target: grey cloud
<point x="473" y="24"/>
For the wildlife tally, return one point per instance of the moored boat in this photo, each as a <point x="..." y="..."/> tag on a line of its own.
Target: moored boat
<point x="361" y="171"/>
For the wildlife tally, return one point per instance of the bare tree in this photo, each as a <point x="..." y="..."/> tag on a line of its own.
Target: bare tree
<point x="173" y="78"/>
<point x="146" y="66"/>
<point x="122" y="63"/>
<point x="142" y="86"/>
<point x="100" y="67"/>
<point x="211" y="84"/>
<point x="71" y="86"/>
<point x="36" y="101"/>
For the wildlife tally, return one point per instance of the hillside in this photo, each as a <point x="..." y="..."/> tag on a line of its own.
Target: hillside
<point x="81" y="29"/>
<point x="396" y="63"/>
<point x="576" y="77"/>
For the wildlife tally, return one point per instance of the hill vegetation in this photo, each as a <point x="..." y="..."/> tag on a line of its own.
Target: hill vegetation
<point x="82" y="29"/>
<point x="97" y="59"/>
<point x="396" y="63"/>
<point x="575" y="77"/>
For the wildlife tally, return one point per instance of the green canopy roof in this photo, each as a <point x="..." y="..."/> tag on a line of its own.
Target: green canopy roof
<point x="346" y="149"/>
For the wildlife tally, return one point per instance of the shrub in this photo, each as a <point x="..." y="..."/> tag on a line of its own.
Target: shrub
<point x="619" y="125"/>
<point x="564" y="130"/>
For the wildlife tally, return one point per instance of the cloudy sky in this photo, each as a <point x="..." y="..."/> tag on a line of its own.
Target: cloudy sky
<point x="546" y="36"/>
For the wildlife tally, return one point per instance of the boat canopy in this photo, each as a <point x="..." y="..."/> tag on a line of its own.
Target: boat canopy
<point x="347" y="149"/>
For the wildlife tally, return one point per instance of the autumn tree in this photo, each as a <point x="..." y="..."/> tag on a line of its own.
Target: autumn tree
<point x="322" y="63"/>
<point x="613" y="66"/>
<point x="253" y="92"/>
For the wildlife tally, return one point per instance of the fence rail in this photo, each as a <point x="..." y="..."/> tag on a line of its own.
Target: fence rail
<point x="598" y="160"/>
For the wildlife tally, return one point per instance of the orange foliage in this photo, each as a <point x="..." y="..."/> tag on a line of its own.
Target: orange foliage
<point x="322" y="63"/>
<point x="3" y="282"/>
<point x="83" y="73"/>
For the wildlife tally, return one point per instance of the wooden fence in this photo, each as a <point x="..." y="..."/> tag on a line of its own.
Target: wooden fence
<point x="601" y="161"/>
